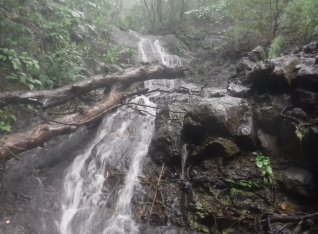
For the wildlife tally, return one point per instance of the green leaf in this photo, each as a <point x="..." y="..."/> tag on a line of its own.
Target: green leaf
<point x="265" y="180"/>
<point x="13" y="117"/>
<point x="259" y="158"/>
<point x="266" y="161"/>
<point x="269" y="170"/>
<point x="264" y="171"/>
<point x="5" y="128"/>
<point x="259" y="164"/>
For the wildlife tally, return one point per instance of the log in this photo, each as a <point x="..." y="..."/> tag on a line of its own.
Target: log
<point x="47" y="98"/>
<point x="39" y="134"/>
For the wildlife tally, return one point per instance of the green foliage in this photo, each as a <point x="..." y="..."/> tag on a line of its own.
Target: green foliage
<point x="22" y="64"/>
<point x="44" y="39"/>
<point x="5" y="119"/>
<point x="244" y="183"/>
<point x="276" y="46"/>
<point x="263" y="163"/>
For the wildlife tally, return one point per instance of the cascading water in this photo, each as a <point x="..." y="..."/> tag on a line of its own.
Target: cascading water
<point x="122" y="138"/>
<point x="120" y="144"/>
<point x="154" y="52"/>
<point x="184" y="157"/>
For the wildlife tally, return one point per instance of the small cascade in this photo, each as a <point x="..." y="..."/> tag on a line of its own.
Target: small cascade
<point x="184" y="157"/>
<point x="121" y="142"/>
<point x="152" y="51"/>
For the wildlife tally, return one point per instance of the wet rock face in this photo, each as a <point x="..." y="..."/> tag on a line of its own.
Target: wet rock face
<point x="307" y="78"/>
<point x="164" y="146"/>
<point x="221" y="117"/>
<point x="268" y="119"/>
<point x="269" y="144"/>
<point x="297" y="180"/>
<point x="305" y="99"/>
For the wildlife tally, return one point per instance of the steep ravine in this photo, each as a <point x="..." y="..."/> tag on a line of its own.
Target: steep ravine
<point x="260" y="110"/>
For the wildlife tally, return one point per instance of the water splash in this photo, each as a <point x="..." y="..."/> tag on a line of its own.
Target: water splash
<point x="184" y="157"/>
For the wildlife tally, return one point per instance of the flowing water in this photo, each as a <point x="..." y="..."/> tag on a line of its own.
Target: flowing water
<point x="152" y="51"/>
<point x="184" y="157"/>
<point x="120" y="144"/>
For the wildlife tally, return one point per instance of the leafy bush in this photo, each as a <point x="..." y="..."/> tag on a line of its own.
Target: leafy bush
<point x="276" y="46"/>
<point x="263" y="163"/>
<point x="5" y="119"/>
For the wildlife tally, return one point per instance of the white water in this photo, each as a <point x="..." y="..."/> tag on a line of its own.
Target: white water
<point x="154" y="52"/>
<point x="121" y="142"/>
<point x="184" y="157"/>
<point x="125" y="136"/>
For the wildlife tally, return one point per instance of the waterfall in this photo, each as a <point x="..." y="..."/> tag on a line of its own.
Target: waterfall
<point x="154" y="52"/>
<point x="184" y="157"/>
<point x="122" y="138"/>
<point x="120" y="144"/>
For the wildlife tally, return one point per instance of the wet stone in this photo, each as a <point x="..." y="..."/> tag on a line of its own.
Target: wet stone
<point x="297" y="180"/>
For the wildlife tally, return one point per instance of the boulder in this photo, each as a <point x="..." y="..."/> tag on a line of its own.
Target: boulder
<point x="299" y="113"/>
<point x="268" y="143"/>
<point x="164" y="146"/>
<point x="260" y="74"/>
<point x="290" y="142"/>
<point x="222" y="117"/>
<point x="256" y="55"/>
<point x="311" y="47"/>
<point x="306" y="78"/>
<point x="268" y="119"/>
<point x="305" y="99"/>
<point x="193" y="131"/>
<point x="236" y="90"/>
<point x="282" y="74"/>
<point x="297" y="180"/>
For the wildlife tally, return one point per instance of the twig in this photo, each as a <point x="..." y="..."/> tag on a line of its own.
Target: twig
<point x="33" y="170"/>
<point x="289" y="117"/>
<point x="282" y="227"/>
<point x="163" y="165"/>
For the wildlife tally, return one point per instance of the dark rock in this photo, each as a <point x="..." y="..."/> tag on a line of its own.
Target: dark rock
<point x="281" y="101"/>
<point x="306" y="78"/>
<point x="245" y="173"/>
<point x="164" y="145"/>
<point x="243" y="68"/>
<point x="310" y="147"/>
<point x="299" y="113"/>
<point x="259" y="76"/>
<point x="193" y="131"/>
<point x="219" y="148"/>
<point x="290" y="142"/>
<point x="269" y="119"/>
<point x="297" y="180"/>
<point x="305" y="99"/>
<point x="236" y="90"/>
<point x="269" y="144"/>
<point x="247" y="200"/>
<point x="311" y="47"/>
<point x="256" y="55"/>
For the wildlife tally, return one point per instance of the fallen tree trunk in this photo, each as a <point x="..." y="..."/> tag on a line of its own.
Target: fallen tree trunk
<point x="38" y="135"/>
<point x="47" y="98"/>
